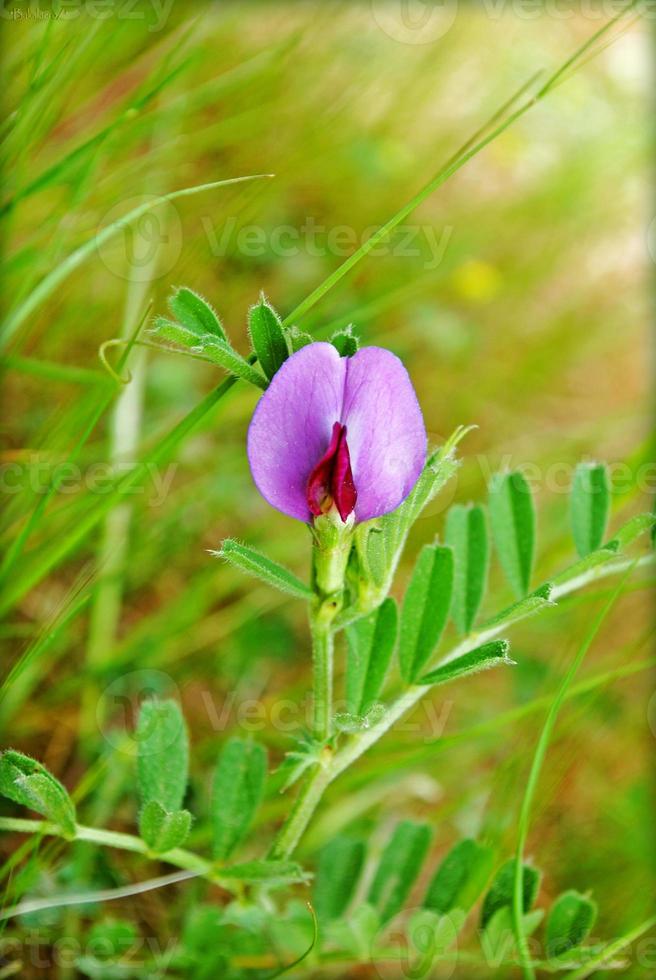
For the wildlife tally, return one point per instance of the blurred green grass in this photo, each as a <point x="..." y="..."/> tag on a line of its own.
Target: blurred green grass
<point x="533" y="324"/>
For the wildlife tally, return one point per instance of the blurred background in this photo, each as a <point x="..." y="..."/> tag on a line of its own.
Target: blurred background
<point x="518" y="297"/>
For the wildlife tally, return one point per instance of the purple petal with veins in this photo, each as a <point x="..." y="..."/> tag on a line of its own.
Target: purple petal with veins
<point x="302" y="464"/>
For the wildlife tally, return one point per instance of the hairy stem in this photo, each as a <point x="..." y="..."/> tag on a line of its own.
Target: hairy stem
<point x="310" y="796"/>
<point x="322" y="666"/>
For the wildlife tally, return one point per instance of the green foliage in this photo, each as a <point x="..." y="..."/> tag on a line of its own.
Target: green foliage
<point x="425" y="609"/>
<point x="162" y="830"/>
<point x="631" y="531"/>
<point x="339" y="867"/>
<point x="460" y="878"/>
<point x="570" y="920"/>
<point x="500" y="894"/>
<point x="345" y="341"/>
<point x="253" y="562"/>
<point x="236" y="793"/>
<point x="512" y="516"/>
<point x="371" y="641"/>
<point x="534" y="603"/>
<point x="590" y="506"/>
<point x="270" y="873"/>
<point x="162" y="753"/>
<point x="466" y="533"/>
<point x="26" y="781"/>
<point x="196" y="314"/>
<point x="482" y="658"/>
<point x="211" y="346"/>
<point x="162" y="770"/>
<point x="398" y="868"/>
<point x="297" y="339"/>
<point x="267" y="336"/>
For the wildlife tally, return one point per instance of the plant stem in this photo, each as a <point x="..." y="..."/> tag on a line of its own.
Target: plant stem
<point x="532" y="782"/>
<point x="322" y="666"/>
<point x="305" y="805"/>
<point x="321" y="778"/>
<point x="179" y="857"/>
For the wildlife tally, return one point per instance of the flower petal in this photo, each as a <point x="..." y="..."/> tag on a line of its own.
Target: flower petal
<point x="386" y="432"/>
<point x="292" y="425"/>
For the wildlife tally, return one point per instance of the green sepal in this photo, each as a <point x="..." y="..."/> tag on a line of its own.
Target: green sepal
<point x="345" y="342"/>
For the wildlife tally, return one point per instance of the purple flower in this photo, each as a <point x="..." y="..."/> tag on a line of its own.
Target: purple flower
<point x="337" y="431"/>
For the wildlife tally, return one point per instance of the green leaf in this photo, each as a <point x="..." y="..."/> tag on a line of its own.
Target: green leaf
<point x="345" y="341"/>
<point x="371" y="641"/>
<point x="27" y="782"/>
<point x="632" y="530"/>
<point x="162" y="754"/>
<point x="195" y="313"/>
<point x="338" y="871"/>
<point x="590" y="505"/>
<point x="570" y="920"/>
<point x="512" y="515"/>
<point x="425" y="609"/>
<point x="253" y="562"/>
<point x="398" y="868"/>
<point x="599" y="557"/>
<point x="460" y="878"/>
<point x="162" y="830"/>
<point x="533" y="603"/>
<point x="175" y="333"/>
<point x="210" y="347"/>
<point x="466" y="533"/>
<point x="500" y="894"/>
<point x="267" y="337"/>
<point x="266" y="872"/>
<point x="482" y="658"/>
<point x="221" y="353"/>
<point x="236" y="794"/>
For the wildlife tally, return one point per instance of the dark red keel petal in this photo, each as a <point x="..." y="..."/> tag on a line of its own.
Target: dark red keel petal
<point x="343" y="488"/>
<point x="331" y="480"/>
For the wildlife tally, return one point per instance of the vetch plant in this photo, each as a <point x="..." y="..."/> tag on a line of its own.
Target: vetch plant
<point x="338" y="442"/>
